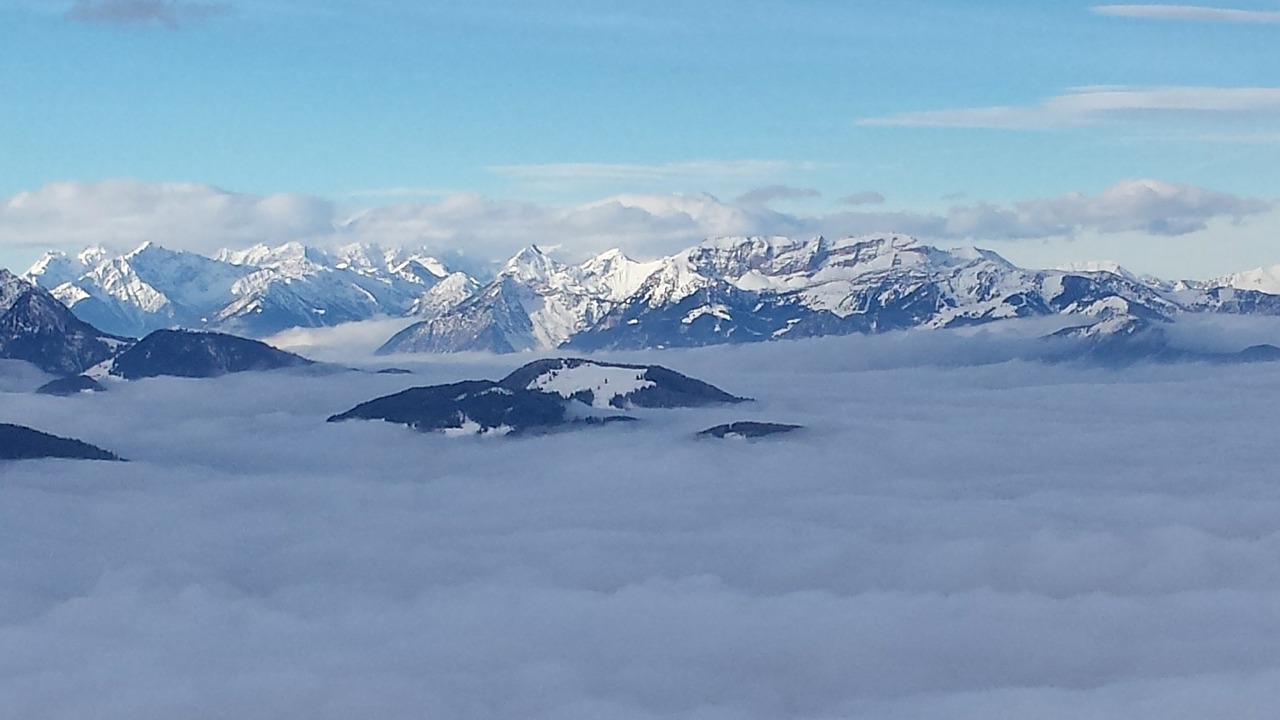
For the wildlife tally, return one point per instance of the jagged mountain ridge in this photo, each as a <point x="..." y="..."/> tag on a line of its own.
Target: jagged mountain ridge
<point x="255" y="292"/>
<point x="37" y="328"/>
<point x="733" y="290"/>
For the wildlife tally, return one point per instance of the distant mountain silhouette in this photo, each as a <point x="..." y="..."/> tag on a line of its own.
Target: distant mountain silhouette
<point x="18" y="442"/>
<point x="188" y="353"/>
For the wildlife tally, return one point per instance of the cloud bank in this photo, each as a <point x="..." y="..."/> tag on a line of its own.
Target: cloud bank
<point x="1143" y="205"/>
<point x="897" y="560"/>
<point x="171" y="14"/>
<point x="121" y="214"/>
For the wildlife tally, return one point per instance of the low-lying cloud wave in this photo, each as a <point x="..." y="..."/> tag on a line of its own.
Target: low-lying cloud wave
<point x="1004" y="539"/>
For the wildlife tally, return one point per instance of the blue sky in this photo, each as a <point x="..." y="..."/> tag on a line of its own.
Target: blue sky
<point x="929" y="105"/>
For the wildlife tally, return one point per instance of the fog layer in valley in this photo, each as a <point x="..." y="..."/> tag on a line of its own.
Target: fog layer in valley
<point x="952" y="536"/>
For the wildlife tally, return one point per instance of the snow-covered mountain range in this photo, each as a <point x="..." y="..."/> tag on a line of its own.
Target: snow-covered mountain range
<point x="726" y="290"/>
<point x="736" y="290"/>
<point x="255" y="292"/>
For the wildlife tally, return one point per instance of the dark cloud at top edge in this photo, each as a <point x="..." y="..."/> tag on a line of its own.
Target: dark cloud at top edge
<point x="171" y="14"/>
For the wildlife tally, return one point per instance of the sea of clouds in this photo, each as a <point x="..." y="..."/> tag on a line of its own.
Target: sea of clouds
<point x="955" y="535"/>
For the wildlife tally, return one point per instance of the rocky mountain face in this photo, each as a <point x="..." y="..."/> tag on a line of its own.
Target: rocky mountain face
<point x="37" y="328"/>
<point x="254" y="292"/>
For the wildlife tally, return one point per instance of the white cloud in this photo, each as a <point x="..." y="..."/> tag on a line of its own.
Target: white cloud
<point x="483" y="227"/>
<point x="1189" y="12"/>
<point x="344" y="343"/>
<point x="897" y="560"/>
<point x="1150" y="206"/>
<point x="124" y="213"/>
<point x="1096" y="105"/>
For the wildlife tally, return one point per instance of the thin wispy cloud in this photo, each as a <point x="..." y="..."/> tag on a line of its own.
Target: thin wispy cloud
<point x="1097" y="105"/>
<point x="400" y="192"/>
<point x="171" y="14"/>
<point x="558" y="173"/>
<point x="770" y="193"/>
<point x="866" y="197"/>
<point x="1198" y="13"/>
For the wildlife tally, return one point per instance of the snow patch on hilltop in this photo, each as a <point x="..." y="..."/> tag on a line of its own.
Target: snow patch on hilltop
<point x="606" y="384"/>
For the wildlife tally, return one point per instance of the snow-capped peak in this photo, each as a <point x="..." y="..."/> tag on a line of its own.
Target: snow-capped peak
<point x="50" y="258"/>
<point x="1097" y="266"/>
<point x="92" y="255"/>
<point x="1264" y="279"/>
<point x="445" y="295"/>
<point x="144" y="247"/>
<point x="531" y="265"/>
<point x="606" y="258"/>
<point x="291" y="257"/>
<point x="54" y="268"/>
<point x="615" y="276"/>
<point x="11" y="286"/>
<point x="431" y="265"/>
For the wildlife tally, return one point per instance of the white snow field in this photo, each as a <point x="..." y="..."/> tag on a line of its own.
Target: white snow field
<point x="1002" y="540"/>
